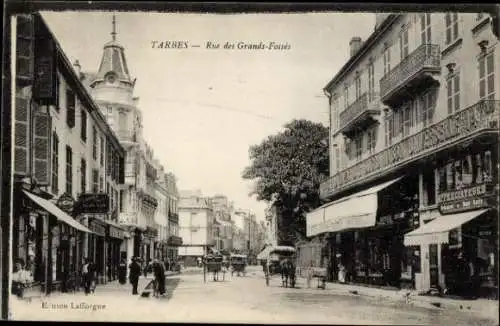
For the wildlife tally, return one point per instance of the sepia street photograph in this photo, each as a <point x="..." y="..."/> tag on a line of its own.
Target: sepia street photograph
<point x="337" y="165"/>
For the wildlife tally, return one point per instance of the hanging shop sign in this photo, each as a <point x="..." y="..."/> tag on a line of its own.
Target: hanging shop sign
<point x="96" y="227"/>
<point x="174" y="241"/>
<point x="66" y="203"/>
<point x="151" y="232"/>
<point x="115" y="232"/>
<point x="93" y="204"/>
<point x="465" y="199"/>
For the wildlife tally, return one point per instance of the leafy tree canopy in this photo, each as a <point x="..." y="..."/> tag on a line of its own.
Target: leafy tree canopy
<point x="288" y="168"/>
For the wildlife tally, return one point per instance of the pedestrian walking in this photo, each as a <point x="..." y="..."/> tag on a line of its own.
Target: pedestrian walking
<point x="92" y="276"/>
<point x="122" y="272"/>
<point x="135" y="272"/>
<point x="159" y="274"/>
<point x="86" y="275"/>
<point x="167" y="264"/>
<point x="146" y="266"/>
<point x="21" y="278"/>
<point x="309" y="274"/>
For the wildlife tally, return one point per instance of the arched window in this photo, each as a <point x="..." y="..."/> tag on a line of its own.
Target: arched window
<point x="122" y="122"/>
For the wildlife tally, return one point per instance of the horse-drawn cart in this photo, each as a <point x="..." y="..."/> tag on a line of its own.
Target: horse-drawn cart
<point x="238" y="264"/>
<point x="213" y="264"/>
<point x="279" y="260"/>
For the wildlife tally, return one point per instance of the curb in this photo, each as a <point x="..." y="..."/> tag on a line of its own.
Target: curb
<point x="425" y="302"/>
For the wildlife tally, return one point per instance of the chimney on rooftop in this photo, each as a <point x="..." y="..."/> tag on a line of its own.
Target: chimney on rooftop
<point x="78" y="68"/>
<point x="355" y="45"/>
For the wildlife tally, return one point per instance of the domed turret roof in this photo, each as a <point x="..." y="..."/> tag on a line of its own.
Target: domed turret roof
<point x="113" y="60"/>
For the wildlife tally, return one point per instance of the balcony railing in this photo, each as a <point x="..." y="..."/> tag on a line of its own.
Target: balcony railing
<point x="426" y="58"/>
<point x="480" y="117"/>
<point x="362" y="107"/>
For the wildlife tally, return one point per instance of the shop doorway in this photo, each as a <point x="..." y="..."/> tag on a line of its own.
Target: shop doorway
<point x="433" y="266"/>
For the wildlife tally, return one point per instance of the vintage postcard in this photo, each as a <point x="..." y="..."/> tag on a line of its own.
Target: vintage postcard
<point x="259" y="164"/>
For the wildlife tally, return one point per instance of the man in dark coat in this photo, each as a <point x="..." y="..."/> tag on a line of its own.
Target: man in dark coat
<point x="159" y="274"/>
<point x="135" y="272"/>
<point x="122" y="272"/>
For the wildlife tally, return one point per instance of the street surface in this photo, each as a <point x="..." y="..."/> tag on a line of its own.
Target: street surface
<point x="236" y="300"/>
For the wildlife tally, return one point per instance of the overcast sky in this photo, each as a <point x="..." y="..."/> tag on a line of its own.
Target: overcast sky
<point x="202" y="108"/>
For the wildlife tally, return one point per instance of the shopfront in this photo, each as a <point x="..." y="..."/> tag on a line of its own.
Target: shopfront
<point x="46" y="238"/>
<point x="463" y="230"/>
<point x="93" y="208"/>
<point x="97" y="247"/>
<point x="148" y="246"/>
<point x="114" y="237"/>
<point x="365" y="233"/>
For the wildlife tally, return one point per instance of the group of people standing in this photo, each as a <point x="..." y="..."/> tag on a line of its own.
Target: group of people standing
<point x="157" y="267"/>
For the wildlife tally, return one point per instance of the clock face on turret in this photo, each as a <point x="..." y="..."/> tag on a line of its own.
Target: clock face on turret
<point x="111" y="78"/>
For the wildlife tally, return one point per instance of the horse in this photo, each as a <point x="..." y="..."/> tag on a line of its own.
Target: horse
<point x="287" y="270"/>
<point x="215" y="267"/>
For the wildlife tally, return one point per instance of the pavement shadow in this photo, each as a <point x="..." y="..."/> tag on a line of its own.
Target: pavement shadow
<point x="171" y="284"/>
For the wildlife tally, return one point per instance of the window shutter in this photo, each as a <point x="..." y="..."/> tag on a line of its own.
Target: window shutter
<point x="41" y="147"/>
<point x="21" y="136"/>
<point x="70" y="108"/>
<point x="24" y="51"/>
<point x="45" y="66"/>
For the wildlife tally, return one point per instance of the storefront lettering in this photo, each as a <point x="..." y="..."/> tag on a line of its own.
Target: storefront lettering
<point x="465" y="193"/>
<point x="116" y="233"/>
<point x="93" y="203"/>
<point x="463" y="205"/>
<point x="479" y="116"/>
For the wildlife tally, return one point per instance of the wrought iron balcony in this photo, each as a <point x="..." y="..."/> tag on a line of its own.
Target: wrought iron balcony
<point x="477" y="120"/>
<point x="359" y="114"/>
<point x="413" y="72"/>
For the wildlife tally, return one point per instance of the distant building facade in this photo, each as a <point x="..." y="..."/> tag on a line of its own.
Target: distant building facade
<point x="197" y="227"/>
<point x="174" y="239"/>
<point x="222" y="210"/>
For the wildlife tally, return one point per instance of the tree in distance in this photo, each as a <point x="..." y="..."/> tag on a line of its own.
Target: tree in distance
<point x="287" y="169"/>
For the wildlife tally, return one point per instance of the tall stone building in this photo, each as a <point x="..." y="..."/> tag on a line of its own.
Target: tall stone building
<point x="112" y="87"/>
<point x="68" y="166"/>
<point x="414" y="130"/>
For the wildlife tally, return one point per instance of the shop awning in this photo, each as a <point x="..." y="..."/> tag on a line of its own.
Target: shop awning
<point x="191" y="251"/>
<point x="351" y="212"/>
<point x="57" y="212"/>
<point x="437" y="230"/>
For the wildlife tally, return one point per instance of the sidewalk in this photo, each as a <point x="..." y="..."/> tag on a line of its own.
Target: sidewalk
<point x="481" y="307"/>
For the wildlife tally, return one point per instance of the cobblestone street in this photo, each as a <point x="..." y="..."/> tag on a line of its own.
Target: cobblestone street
<point x="236" y="299"/>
